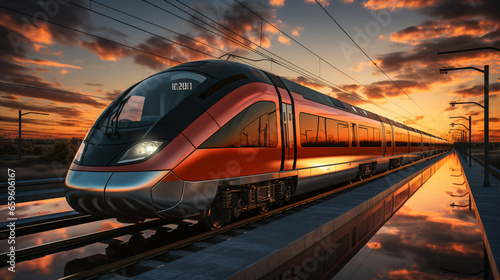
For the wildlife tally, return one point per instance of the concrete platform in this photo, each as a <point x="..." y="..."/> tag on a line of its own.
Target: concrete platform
<point x="486" y="204"/>
<point x="308" y="243"/>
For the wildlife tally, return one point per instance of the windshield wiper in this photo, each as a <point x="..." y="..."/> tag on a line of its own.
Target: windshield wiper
<point x="113" y="118"/>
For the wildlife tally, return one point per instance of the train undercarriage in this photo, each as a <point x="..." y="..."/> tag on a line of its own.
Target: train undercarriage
<point x="231" y="201"/>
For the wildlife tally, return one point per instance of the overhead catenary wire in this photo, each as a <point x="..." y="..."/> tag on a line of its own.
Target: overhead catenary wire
<point x="143" y="30"/>
<point x="302" y="71"/>
<point x="95" y="36"/>
<point x="319" y="57"/>
<point x="307" y="75"/>
<point x="371" y="60"/>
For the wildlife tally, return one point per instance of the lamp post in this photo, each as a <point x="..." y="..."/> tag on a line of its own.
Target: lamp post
<point x="20" y="115"/>
<point x="486" y="72"/>
<point x="470" y="136"/>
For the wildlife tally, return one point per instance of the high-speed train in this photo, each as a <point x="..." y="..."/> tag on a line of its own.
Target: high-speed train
<point x="212" y="139"/>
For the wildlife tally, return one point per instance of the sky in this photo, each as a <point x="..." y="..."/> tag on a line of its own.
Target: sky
<point x="70" y="59"/>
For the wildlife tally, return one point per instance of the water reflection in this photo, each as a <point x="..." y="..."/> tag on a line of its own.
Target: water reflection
<point x="426" y="238"/>
<point x="52" y="266"/>
<point x="37" y="208"/>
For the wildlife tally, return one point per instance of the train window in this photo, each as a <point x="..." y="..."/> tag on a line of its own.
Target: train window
<point x="401" y="140"/>
<point x="152" y="99"/>
<point x="354" y="136"/>
<point x="377" y="139"/>
<point x="415" y="141"/>
<point x="256" y="126"/>
<point x="221" y="84"/>
<point x="388" y="138"/>
<point x="427" y="143"/>
<point x="312" y="131"/>
<point x="343" y="132"/>
<point x="321" y="133"/>
<point x="369" y="137"/>
<point x="337" y="133"/>
<point x="365" y="136"/>
<point x="308" y="130"/>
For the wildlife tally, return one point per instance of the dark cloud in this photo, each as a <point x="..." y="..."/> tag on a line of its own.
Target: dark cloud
<point x="113" y="94"/>
<point x="306" y="82"/>
<point x="450" y="108"/>
<point x="94" y="84"/>
<point x="107" y="50"/>
<point x="477" y="90"/>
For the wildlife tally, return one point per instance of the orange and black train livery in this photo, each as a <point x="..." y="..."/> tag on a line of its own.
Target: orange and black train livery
<point x="212" y="139"/>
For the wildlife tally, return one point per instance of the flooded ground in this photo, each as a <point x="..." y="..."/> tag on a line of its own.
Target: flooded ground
<point x="427" y="238"/>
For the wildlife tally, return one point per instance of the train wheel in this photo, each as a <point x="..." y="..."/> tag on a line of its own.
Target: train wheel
<point x="265" y="208"/>
<point x="237" y="209"/>
<point x="213" y="218"/>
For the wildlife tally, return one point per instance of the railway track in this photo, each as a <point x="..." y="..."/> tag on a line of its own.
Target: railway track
<point x="55" y="221"/>
<point x="79" y="241"/>
<point x="229" y="229"/>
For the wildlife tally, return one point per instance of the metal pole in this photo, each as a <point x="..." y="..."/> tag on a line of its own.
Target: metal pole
<point x="486" y="126"/>
<point x="470" y="141"/>
<point x="19" y="139"/>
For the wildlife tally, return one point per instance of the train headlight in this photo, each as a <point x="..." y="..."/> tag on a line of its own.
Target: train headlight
<point x="79" y="153"/>
<point x="140" y="151"/>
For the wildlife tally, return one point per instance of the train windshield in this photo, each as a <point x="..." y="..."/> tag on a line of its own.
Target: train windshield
<point x="151" y="99"/>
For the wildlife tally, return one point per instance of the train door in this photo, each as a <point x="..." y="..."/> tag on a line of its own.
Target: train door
<point x="388" y="142"/>
<point x="288" y="139"/>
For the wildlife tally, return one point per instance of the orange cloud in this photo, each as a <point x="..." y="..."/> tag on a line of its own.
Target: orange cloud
<point x="398" y="4"/>
<point x="296" y="31"/>
<point x="44" y="62"/>
<point x="359" y="67"/>
<point x="277" y="3"/>
<point x="39" y="33"/>
<point x="284" y="40"/>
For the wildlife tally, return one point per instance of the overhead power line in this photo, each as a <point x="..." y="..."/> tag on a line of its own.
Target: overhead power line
<point x="320" y="58"/>
<point x="95" y="36"/>
<point x="383" y="72"/>
<point x="302" y="71"/>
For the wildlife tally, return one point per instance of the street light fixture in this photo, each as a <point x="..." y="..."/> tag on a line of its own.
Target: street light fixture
<point x="486" y="72"/>
<point x="486" y="182"/>
<point x="470" y="136"/>
<point x="20" y="115"/>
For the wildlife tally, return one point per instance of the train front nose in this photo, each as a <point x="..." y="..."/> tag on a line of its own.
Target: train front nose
<point x="123" y="195"/>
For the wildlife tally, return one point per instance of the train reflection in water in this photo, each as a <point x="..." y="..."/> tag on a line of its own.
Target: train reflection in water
<point x="427" y="238"/>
